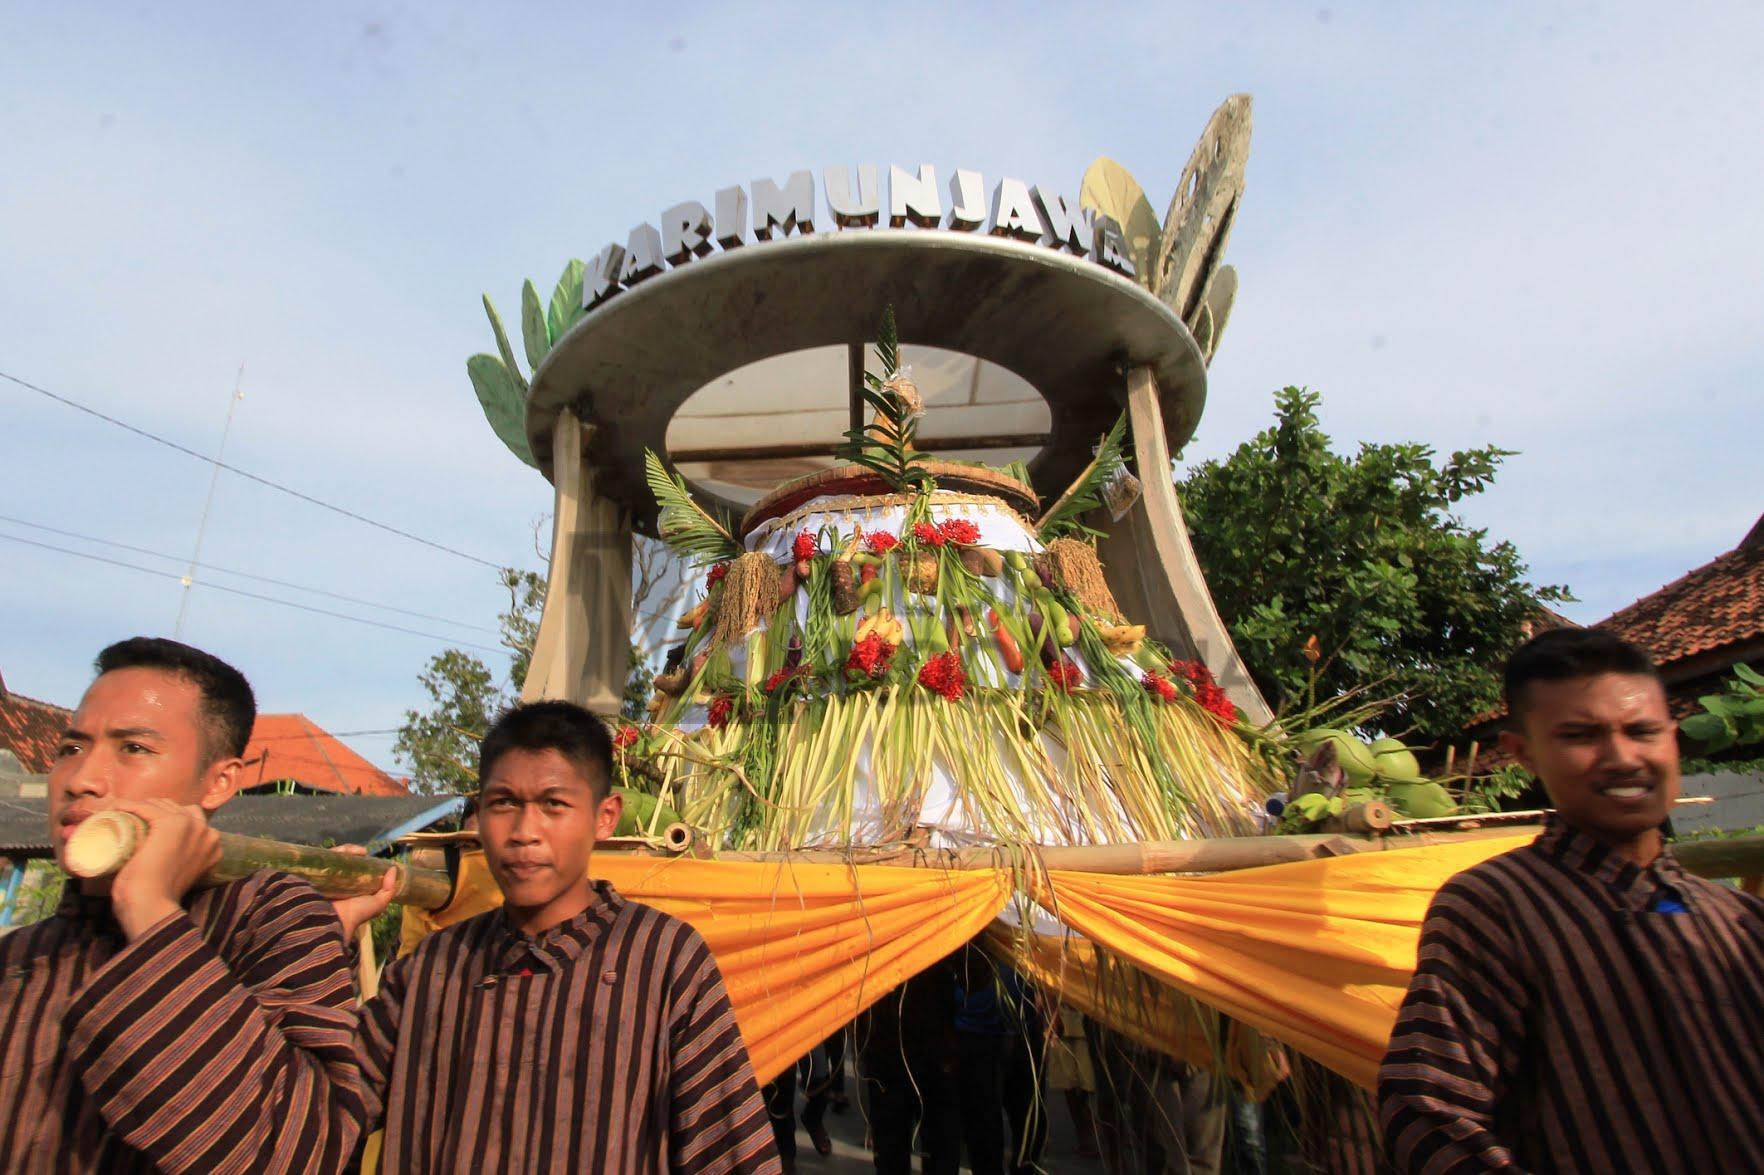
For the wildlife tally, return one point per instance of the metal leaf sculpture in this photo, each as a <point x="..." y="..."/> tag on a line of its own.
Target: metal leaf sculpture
<point x="502" y="347"/>
<point x="1199" y="221"/>
<point x="1220" y="297"/>
<point x="1110" y="190"/>
<point x="566" y="301"/>
<point x="505" y="407"/>
<point x="534" y="335"/>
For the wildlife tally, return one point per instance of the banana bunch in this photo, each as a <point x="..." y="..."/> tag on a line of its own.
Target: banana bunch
<point x="885" y="625"/>
<point x="1123" y="640"/>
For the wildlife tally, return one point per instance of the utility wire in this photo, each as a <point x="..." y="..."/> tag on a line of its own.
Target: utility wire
<point x="282" y="738"/>
<point x="233" y="591"/>
<point x="86" y="538"/>
<point x="264" y="481"/>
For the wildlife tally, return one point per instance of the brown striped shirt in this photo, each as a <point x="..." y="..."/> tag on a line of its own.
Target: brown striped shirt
<point x="218" y="1041"/>
<point x="1563" y="1019"/>
<point x="605" y="1044"/>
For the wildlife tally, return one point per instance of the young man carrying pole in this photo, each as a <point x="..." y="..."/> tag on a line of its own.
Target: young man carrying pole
<point x="1582" y="1003"/>
<point x="143" y="1026"/>
<point x="570" y="1030"/>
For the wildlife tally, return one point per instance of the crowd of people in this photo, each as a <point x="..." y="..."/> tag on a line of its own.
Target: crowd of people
<point x="1579" y="1004"/>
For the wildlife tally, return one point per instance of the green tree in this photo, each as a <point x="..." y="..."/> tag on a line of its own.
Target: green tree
<point x="1366" y="555"/>
<point x="440" y="743"/>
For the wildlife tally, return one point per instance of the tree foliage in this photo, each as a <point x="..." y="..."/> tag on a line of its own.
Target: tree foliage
<point x="1366" y="555"/>
<point x="440" y="743"/>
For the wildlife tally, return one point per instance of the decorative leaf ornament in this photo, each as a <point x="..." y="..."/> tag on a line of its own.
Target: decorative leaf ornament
<point x="534" y="335"/>
<point x="683" y="524"/>
<point x="885" y="445"/>
<point x="502" y="390"/>
<point x="1198" y="223"/>
<point x="1110" y="190"/>
<point x="505" y="407"/>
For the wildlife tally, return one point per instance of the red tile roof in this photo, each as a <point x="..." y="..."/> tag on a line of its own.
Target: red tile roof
<point x="1718" y="606"/>
<point x="292" y="746"/>
<point x="30" y="729"/>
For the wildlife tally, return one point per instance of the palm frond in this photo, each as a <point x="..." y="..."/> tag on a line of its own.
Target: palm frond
<point x="1085" y="492"/>
<point x="683" y="524"/>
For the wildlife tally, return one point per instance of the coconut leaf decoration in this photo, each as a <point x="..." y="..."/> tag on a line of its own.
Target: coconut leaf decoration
<point x="683" y="524"/>
<point x="1062" y="519"/>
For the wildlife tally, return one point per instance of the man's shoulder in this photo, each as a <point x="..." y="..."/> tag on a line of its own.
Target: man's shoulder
<point x="1500" y="877"/>
<point x="21" y="945"/>
<point x="638" y="918"/>
<point x="267" y="896"/>
<point x="668" y="939"/>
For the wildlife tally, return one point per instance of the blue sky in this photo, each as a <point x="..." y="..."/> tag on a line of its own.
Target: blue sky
<point x="1527" y="224"/>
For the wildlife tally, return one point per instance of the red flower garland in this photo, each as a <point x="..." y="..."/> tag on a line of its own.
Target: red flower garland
<point x="720" y="709"/>
<point x="870" y="658"/>
<point x="1065" y="675"/>
<point x="625" y="736"/>
<point x="881" y="542"/>
<point x="717" y="572"/>
<point x="960" y="531"/>
<point x="1157" y="683"/>
<point x="943" y="674"/>
<point x="1207" y="693"/>
<point x="783" y="675"/>
<point x="804" y="546"/>
<point x="927" y="534"/>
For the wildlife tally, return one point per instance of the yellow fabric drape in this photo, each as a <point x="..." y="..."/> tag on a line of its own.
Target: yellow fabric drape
<point x="802" y="948"/>
<point x="1317" y="953"/>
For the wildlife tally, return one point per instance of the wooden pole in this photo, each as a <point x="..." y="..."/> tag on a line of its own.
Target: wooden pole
<point x="1214" y="855"/>
<point x="104" y="842"/>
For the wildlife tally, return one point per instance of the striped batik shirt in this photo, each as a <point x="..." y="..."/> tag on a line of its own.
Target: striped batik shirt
<point x="1572" y="1011"/>
<point x="604" y="1044"/>
<point x="218" y="1041"/>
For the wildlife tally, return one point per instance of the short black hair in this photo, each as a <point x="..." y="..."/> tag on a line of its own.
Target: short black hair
<point x="229" y="708"/>
<point x="573" y="732"/>
<point x="1563" y="654"/>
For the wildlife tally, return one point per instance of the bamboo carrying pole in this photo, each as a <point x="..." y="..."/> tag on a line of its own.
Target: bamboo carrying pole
<point x="105" y="841"/>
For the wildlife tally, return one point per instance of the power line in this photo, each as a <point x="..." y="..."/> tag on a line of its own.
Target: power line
<point x="86" y="538"/>
<point x="233" y="591"/>
<point x="234" y="469"/>
<point x="282" y="738"/>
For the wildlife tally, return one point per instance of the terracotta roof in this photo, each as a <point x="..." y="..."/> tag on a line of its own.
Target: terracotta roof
<point x="1720" y="604"/>
<point x="30" y="729"/>
<point x="292" y="746"/>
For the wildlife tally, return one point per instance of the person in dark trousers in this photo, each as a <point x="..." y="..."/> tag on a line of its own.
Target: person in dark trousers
<point x="1000" y="1036"/>
<point x="907" y="1060"/>
<point x="814" y="1075"/>
<point x="1583" y="1003"/>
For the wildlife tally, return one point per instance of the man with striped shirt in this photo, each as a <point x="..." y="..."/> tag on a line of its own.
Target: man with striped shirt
<point x="1584" y="1004"/>
<point x="570" y="1030"/>
<point x="144" y="1028"/>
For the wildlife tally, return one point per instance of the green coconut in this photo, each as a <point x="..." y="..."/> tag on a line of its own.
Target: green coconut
<point x="1356" y="759"/>
<point x="1421" y="801"/>
<point x="640" y="811"/>
<point x="1395" y="762"/>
